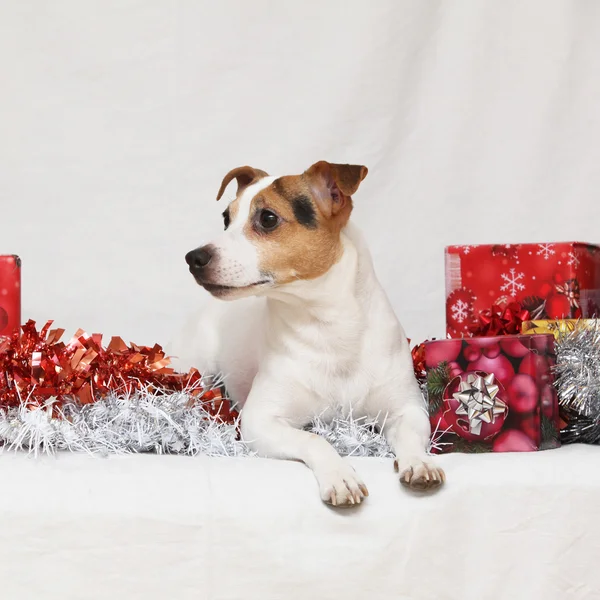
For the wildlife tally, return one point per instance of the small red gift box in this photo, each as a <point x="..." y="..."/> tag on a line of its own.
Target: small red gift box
<point x="492" y="394"/>
<point x="10" y="294"/>
<point x="551" y="281"/>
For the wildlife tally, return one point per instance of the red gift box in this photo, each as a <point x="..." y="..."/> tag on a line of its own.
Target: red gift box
<point x="10" y="294"/>
<point x="493" y="394"/>
<point x="551" y="281"/>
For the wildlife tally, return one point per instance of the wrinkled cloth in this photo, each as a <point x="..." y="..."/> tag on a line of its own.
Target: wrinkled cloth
<point x="75" y="527"/>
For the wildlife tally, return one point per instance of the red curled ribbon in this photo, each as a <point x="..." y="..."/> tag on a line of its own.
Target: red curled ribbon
<point x="501" y="319"/>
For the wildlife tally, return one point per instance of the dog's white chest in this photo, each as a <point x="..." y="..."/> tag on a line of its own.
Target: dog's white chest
<point x="334" y="361"/>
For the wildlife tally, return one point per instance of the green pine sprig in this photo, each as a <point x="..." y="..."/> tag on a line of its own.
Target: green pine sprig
<point x="437" y="380"/>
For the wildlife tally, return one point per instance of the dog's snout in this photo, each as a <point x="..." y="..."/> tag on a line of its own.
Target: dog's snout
<point x="199" y="258"/>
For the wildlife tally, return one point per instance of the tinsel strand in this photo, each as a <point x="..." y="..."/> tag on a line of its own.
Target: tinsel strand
<point x="578" y="381"/>
<point x="150" y="420"/>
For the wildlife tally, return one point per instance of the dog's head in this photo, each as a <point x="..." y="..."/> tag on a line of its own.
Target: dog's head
<point x="277" y="230"/>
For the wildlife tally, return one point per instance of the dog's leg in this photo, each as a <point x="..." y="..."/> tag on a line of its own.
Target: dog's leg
<point x="275" y="437"/>
<point x="407" y="430"/>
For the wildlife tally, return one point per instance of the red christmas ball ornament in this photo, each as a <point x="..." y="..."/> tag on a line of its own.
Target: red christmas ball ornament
<point x="455" y="369"/>
<point x="549" y="401"/>
<point x="523" y="394"/>
<point x="530" y="426"/>
<point x="514" y="347"/>
<point x="542" y="343"/>
<point x="473" y="408"/>
<point x="439" y="423"/>
<point x="459" y="311"/>
<point x="533" y="365"/>
<point x="442" y="351"/>
<point x="546" y="289"/>
<point x="558" y="306"/>
<point x="500" y="366"/>
<point x="472" y="351"/>
<point x="488" y="346"/>
<point x="513" y="440"/>
<point x="492" y="351"/>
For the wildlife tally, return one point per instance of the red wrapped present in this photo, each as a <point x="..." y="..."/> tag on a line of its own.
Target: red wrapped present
<point x="550" y="281"/>
<point x="10" y="294"/>
<point x="492" y="394"/>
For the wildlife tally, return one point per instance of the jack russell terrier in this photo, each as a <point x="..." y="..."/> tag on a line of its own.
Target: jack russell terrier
<point x="312" y="331"/>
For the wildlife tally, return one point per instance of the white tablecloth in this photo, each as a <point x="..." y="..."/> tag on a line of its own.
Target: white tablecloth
<point x="172" y="528"/>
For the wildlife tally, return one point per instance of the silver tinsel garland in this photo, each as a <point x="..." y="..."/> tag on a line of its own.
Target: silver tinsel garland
<point x="171" y="423"/>
<point x="164" y="423"/>
<point x="578" y="381"/>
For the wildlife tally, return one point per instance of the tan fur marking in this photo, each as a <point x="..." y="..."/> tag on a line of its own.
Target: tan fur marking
<point x="234" y="207"/>
<point x="293" y="251"/>
<point x="332" y="184"/>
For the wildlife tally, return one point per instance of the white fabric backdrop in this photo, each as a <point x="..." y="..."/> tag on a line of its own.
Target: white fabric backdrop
<point x="478" y="121"/>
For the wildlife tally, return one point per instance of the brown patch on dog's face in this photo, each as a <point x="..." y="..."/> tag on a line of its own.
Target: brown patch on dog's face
<point x="296" y="222"/>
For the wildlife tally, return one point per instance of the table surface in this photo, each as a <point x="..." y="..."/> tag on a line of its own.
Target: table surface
<point x="146" y="526"/>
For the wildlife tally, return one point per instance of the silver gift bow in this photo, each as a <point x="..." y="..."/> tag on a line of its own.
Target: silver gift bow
<point x="478" y="401"/>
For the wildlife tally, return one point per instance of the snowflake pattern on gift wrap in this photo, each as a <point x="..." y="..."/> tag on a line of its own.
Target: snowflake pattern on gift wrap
<point x="460" y="311"/>
<point x="466" y="249"/>
<point x="512" y="282"/>
<point x="546" y="250"/>
<point x="573" y="260"/>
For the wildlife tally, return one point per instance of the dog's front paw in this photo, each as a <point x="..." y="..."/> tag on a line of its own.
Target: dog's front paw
<point x="341" y="486"/>
<point x="420" y="475"/>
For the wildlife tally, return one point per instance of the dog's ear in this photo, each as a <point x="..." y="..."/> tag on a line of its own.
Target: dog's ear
<point x="244" y="176"/>
<point x="333" y="184"/>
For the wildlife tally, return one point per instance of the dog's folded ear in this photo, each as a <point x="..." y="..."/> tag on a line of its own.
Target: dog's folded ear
<point x="244" y="177"/>
<point x="332" y="184"/>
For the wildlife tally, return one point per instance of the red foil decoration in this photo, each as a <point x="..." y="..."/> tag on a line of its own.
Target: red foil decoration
<point x="37" y="366"/>
<point x="418" y="357"/>
<point x="501" y="319"/>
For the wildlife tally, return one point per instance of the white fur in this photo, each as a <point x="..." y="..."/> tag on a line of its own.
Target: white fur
<point x="309" y="348"/>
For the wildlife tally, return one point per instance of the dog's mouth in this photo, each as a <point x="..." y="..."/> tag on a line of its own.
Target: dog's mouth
<point x="221" y="290"/>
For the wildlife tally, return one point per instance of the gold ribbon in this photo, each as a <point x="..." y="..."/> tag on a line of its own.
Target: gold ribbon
<point x="557" y="327"/>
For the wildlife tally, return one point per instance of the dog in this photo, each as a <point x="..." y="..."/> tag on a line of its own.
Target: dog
<point x="311" y="332"/>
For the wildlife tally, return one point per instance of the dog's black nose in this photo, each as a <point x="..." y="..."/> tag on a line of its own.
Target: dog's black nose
<point x="199" y="258"/>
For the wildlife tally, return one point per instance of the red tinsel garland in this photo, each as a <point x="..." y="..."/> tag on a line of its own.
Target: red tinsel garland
<point x="36" y="366"/>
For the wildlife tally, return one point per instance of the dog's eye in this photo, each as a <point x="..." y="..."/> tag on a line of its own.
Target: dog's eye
<point x="226" y="218"/>
<point x="268" y="220"/>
